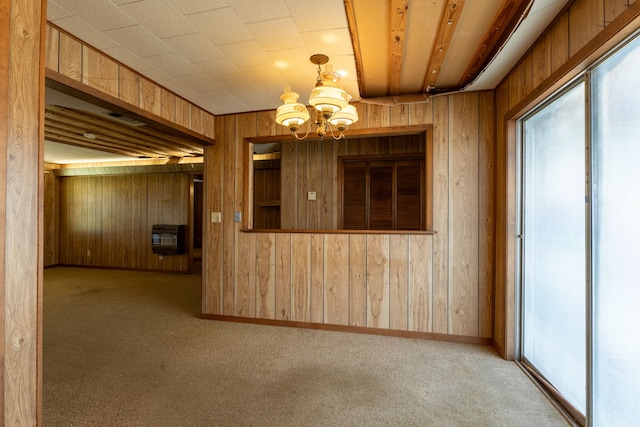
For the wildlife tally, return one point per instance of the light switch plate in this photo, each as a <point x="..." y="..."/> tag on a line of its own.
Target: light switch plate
<point x="216" y="216"/>
<point x="237" y="216"/>
<point x="311" y="195"/>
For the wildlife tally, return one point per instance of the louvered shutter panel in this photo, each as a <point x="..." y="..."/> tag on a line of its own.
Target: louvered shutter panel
<point x="409" y="191"/>
<point x="381" y="195"/>
<point x="354" y="196"/>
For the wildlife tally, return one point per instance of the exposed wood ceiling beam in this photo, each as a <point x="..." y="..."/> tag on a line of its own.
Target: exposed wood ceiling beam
<point x="357" y="52"/>
<point x="447" y="28"/>
<point x="396" y="55"/>
<point x="512" y="12"/>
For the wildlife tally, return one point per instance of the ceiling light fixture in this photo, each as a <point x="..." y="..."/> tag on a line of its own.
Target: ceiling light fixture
<point x="331" y="104"/>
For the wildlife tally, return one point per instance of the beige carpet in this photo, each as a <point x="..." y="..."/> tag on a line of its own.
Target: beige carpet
<point x="127" y="348"/>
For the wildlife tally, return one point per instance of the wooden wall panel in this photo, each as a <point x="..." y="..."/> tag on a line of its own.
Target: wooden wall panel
<point x="377" y="256"/>
<point x="398" y="282"/>
<point x="228" y="210"/>
<point x="283" y="276"/>
<point x="336" y="279"/>
<point x="51" y="223"/>
<point x="106" y="221"/>
<point x="440" y="267"/>
<point x="463" y="196"/>
<point x="265" y="276"/>
<point x="99" y="71"/>
<point x="403" y="282"/>
<point x="53" y="47"/>
<point x="357" y="280"/>
<point x="586" y="20"/>
<point x="70" y="57"/>
<point x="301" y="277"/>
<point x="129" y="90"/>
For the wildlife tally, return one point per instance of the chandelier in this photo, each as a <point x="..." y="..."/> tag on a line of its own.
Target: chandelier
<point x="333" y="113"/>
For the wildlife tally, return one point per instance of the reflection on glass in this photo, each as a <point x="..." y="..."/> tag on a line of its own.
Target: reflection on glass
<point x="554" y="245"/>
<point x="616" y="239"/>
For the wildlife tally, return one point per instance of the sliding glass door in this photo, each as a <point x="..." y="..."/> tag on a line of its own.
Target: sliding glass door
<point x="580" y="251"/>
<point x="616" y="239"/>
<point x="554" y="245"/>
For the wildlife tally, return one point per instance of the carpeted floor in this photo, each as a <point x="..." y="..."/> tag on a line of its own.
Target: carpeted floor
<point x="126" y="348"/>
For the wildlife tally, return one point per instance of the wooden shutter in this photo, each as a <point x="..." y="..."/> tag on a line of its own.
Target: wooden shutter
<point x="381" y="195"/>
<point x="354" y="203"/>
<point x="409" y="192"/>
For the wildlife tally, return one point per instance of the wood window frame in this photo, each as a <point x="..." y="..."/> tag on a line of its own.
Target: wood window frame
<point x="391" y="159"/>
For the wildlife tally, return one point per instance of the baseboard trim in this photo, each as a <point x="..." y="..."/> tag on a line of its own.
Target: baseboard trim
<point x="354" y="329"/>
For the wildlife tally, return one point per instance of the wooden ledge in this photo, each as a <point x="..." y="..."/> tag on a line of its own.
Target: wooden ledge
<point x="266" y="230"/>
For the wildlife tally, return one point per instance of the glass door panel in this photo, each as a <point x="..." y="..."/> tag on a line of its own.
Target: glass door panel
<point x="554" y="340"/>
<point x="616" y="239"/>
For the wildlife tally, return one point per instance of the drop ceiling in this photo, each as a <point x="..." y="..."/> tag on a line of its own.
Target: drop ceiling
<point x="232" y="56"/>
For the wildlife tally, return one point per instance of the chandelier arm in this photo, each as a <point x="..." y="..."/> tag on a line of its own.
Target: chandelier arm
<point x="300" y="138"/>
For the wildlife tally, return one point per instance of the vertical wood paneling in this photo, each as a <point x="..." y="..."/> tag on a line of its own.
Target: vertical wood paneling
<point x="150" y="97"/>
<point x="357" y="280"/>
<point x="398" y="282"/>
<point x="266" y="123"/>
<point x="168" y="105"/>
<point x="541" y="57"/>
<point x="53" y="46"/>
<point x="301" y="277"/>
<point x="99" y="71"/>
<point x="586" y="20"/>
<point x="228" y="210"/>
<point x="317" y="278"/>
<point x="379" y="116"/>
<point x="377" y="256"/>
<point x="463" y="195"/>
<point x="51" y="218"/>
<point x="283" y="276"/>
<point x="559" y="34"/>
<point x="486" y="209"/>
<point x="327" y="197"/>
<point x="70" y="57"/>
<point x="440" y="269"/>
<point x="212" y="243"/>
<point x="399" y="115"/>
<point x="183" y="113"/>
<point x="302" y="165"/>
<point x="336" y="279"/>
<point x="314" y="183"/>
<point x="421" y="114"/>
<point x="129" y="90"/>
<point x="420" y="283"/>
<point x="288" y="179"/>
<point x="106" y="221"/>
<point x="265" y="276"/>
<point x="245" y="304"/>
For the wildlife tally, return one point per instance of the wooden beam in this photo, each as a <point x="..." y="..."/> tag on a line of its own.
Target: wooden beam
<point x="357" y="52"/>
<point x="511" y="13"/>
<point x="448" y="26"/>
<point x="399" y="9"/>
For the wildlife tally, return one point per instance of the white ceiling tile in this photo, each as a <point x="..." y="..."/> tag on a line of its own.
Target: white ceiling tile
<point x="159" y="17"/>
<point x="219" y="69"/>
<point x="172" y="64"/>
<point x="193" y="47"/>
<point x="129" y="58"/>
<point x="224" y="101"/>
<point x="245" y="54"/>
<point x="100" y="14"/>
<point x="56" y="12"/>
<point x="146" y="44"/>
<point x="198" y="82"/>
<point x="220" y="26"/>
<point x="253" y="11"/>
<point x="277" y="34"/>
<point x="324" y="15"/>
<point x="90" y="35"/>
<point x="330" y="42"/>
<point x="188" y="7"/>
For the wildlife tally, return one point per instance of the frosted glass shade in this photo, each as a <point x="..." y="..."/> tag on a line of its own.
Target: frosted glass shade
<point x="345" y="117"/>
<point x="291" y="113"/>
<point x="328" y="99"/>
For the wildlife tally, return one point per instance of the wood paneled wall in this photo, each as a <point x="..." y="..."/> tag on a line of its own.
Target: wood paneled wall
<point x="21" y="172"/>
<point x="106" y="221"/>
<point x="51" y="223"/>
<point x="81" y="63"/>
<point x="440" y="283"/>
<point x="579" y="35"/>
